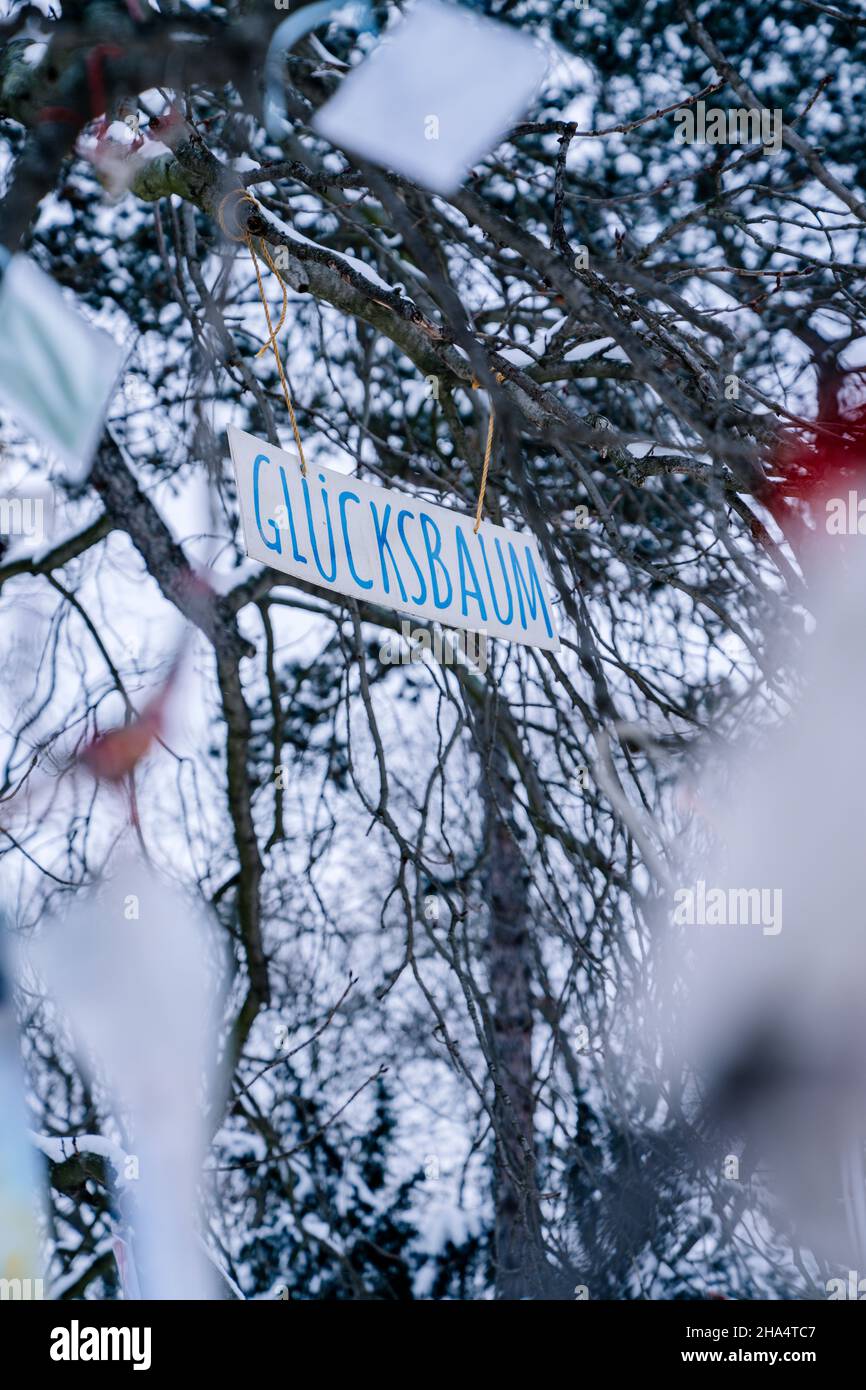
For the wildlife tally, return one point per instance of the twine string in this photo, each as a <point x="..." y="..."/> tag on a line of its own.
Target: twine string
<point x="271" y="341"/>
<point x="243" y="234"/>
<point x="488" y="451"/>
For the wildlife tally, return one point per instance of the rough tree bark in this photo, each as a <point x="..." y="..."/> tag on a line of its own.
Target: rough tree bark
<point x="518" y="1248"/>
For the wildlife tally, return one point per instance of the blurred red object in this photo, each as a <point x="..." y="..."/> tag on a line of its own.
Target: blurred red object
<point x="808" y="474"/>
<point x="112" y="756"/>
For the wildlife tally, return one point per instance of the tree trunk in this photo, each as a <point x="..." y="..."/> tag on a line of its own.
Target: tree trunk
<point x="519" y="1256"/>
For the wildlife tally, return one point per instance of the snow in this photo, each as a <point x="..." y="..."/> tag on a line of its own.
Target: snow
<point x="62" y="1283"/>
<point x="359" y="266"/>
<point x="430" y="101"/>
<point x="58" y="1148"/>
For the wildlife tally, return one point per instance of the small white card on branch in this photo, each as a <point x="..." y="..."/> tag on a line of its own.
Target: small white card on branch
<point x="57" y="371"/>
<point x="435" y="97"/>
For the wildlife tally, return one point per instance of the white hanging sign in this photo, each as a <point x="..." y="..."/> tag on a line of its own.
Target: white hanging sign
<point x="57" y="371"/>
<point x="435" y="95"/>
<point x="389" y="548"/>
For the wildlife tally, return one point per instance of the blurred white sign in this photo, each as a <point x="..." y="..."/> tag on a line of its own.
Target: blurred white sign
<point x="57" y="371"/>
<point x="20" y="1257"/>
<point x="131" y="964"/>
<point x="433" y="99"/>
